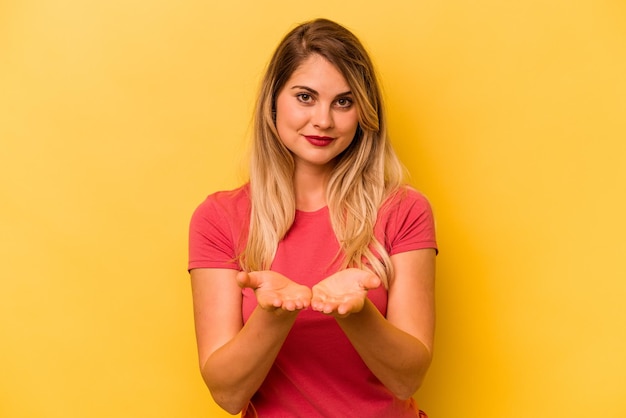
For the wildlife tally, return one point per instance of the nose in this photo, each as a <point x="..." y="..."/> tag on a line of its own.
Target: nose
<point x="322" y="117"/>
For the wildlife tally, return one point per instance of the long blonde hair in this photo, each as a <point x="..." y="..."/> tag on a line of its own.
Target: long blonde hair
<point x="365" y="174"/>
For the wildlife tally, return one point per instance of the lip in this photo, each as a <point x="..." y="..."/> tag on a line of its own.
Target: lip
<point x="319" y="141"/>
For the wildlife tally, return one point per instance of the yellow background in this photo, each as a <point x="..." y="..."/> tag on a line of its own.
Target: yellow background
<point x="117" y="117"/>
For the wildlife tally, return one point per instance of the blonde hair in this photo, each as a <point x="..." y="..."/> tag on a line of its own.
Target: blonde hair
<point x="365" y="174"/>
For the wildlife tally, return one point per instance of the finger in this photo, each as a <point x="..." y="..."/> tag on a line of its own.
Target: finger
<point x="305" y="302"/>
<point x="343" y="309"/>
<point x="253" y="280"/>
<point x="329" y="308"/>
<point x="268" y="302"/>
<point x="243" y="279"/>
<point x="317" y="302"/>
<point x="288" y="305"/>
<point x="277" y="303"/>
<point x="317" y="305"/>
<point x="297" y="305"/>
<point x="371" y="282"/>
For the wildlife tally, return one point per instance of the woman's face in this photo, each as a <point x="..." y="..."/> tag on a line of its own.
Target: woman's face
<point x="316" y="116"/>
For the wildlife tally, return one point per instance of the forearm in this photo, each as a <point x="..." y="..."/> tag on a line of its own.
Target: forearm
<point x="235" y="371"/>
<point x="396" y="358"/>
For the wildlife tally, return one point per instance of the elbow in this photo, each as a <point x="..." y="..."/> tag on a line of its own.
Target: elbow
<point x="408" y="383"/>
<point x="404" y="389"/>
<point x="226" y="397"/>
<point x="229" y="402"/>
<point x="231" y="408"/>
<point x="403" y="396"/>
<point x="404" y="392"/>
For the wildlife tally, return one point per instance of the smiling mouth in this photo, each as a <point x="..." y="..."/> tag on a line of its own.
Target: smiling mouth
<point x="319" y="141"/>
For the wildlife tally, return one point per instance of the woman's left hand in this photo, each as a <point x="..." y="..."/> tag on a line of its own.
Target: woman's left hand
<point x="344" y="292"/>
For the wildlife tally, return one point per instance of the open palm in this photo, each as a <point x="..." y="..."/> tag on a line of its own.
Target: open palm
<point x="344" y="292"/>
<point x="275" y="292"/>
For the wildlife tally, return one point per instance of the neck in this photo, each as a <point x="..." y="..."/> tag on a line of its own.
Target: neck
<point x="310" y="188"/>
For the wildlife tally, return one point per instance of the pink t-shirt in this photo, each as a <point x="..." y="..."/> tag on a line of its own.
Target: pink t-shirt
<point x="317" y="372"/>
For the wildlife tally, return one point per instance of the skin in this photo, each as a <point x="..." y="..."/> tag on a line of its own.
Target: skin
<point x="235" y="358"/>
<point x="316" y="100"/>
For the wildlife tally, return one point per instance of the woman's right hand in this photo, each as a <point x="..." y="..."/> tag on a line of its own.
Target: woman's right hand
<point x="275" y="292"/>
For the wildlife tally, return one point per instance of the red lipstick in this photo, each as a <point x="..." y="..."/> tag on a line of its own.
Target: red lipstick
<point x="319" y="141"/>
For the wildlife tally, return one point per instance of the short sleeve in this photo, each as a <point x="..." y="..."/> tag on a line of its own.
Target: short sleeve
<point x="409" y="222"/>
<point x="212" y="237"/>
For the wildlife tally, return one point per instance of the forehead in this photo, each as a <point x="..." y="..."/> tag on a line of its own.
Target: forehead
<point x="318" y="73"/>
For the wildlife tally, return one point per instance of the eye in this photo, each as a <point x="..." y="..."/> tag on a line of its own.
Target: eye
<point x="304" y="97"/>
<point x="344" y="102"/>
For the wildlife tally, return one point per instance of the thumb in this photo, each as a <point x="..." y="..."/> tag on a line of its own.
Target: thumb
<point x="371" y="281"/>
<point x="244" y="280"/>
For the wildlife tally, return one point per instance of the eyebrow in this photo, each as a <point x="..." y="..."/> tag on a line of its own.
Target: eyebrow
<point x="312" y="91"/>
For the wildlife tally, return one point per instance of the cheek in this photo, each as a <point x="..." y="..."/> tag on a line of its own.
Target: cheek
<point x="288" y="123"/>
<point x="350" y="123"/>
<point x="286" y="116"/>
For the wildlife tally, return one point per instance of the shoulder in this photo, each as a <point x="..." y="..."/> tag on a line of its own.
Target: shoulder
<point x="228" y="209"/>
<point x="405" y="221"/>
<point x="405" y="198"/>
<point x="218" y="228"/>
<point x="229" y="198"/>
<point x="226" y="202"/>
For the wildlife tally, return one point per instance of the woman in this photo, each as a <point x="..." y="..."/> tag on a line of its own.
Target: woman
<point x="313" y="284"/>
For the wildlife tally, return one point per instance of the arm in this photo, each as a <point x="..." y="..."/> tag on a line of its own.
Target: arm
<point x="235" y="358"/>
<point x="401" y="353"/>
